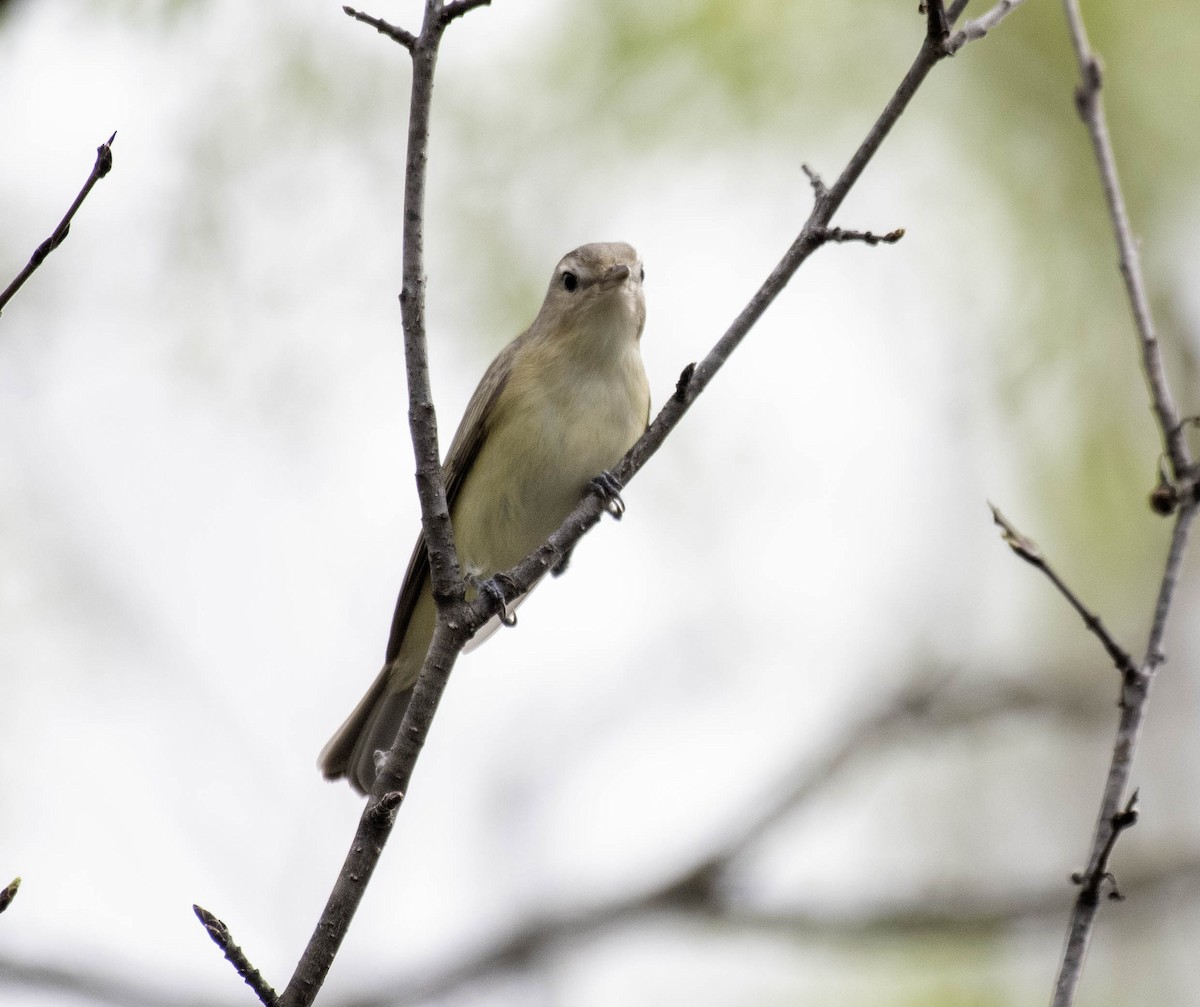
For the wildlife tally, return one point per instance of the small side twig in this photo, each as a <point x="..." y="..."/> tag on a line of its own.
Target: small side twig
<point x="685" y="377"/>
<point x="103" y="165"/>
<point x="220" y="935"/>
<point x="840" y="234"/>
<point x="976" y="28"/>
<point x="394" y="32"/>
<point x="820" y="189"/>
<point x="8" y="893"/>
<point x="1028" y="550"/>
<point x="457" y="8"/>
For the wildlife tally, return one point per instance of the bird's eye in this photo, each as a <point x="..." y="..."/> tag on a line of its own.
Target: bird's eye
<point x="569" y="281"/>
<point x="642" y="278"/>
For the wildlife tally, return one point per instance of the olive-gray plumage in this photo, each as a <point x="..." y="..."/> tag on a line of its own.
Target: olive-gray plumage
<point x="561" y="403"/>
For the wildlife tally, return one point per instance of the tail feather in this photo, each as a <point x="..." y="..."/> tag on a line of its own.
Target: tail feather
<point x="371" y="727"/>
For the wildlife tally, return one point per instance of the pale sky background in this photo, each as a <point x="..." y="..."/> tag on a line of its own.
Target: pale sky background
<point x="206" y="498"/>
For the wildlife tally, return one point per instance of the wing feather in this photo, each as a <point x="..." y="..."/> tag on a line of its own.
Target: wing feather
<point x="464" y="449"/>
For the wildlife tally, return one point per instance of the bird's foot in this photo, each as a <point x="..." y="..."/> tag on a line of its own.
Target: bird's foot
<point x="499" y="587"/>
<point x="608" y="488"/>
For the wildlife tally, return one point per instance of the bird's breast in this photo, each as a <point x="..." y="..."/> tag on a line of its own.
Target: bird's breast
<point x="550" y="437"/>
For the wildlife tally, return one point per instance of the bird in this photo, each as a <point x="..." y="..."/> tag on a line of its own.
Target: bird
<point x="557" y="408"/>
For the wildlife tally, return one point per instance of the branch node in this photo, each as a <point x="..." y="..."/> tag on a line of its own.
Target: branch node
<point x="1092" y="74"/>
<point x="938" y="27"/>
<point x="1024" y="547"/>
<point x="383" y="811"/>
<point x="820" y="189"/>
<point x="102" y="166"/>
<point x="685" y="379"/>
<point x="1164" y="498"/>
<point x="104" y="158"/>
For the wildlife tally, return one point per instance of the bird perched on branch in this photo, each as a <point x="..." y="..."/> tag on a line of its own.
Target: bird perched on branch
<point x="559" y="406"/>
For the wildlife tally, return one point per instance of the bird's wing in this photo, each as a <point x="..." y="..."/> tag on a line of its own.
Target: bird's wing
<point x="464" y="449"/>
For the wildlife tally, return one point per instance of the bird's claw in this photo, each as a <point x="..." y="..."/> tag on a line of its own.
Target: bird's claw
<point x="608" y="488"/>
<point x="498" y="588"/>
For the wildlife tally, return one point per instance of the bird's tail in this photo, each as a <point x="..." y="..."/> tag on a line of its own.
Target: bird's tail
<point x="371" y="727"/>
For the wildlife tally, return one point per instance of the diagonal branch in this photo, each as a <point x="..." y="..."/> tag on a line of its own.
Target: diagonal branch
<point x="1135" y="694"/>
<point x="236" y="957"/>
<point x="696" y="377"/>
<point x="103" y="165"/>
<point x="1090" y="104"/>
<point x="1116" y="813"/>
<point x="932" y="706"/>
<point x="450" y="633"/>
<point x="1028" y="550"/>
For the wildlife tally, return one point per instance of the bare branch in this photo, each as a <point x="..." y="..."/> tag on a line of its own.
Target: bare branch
<point x="955" y="11"/>
<point x="221" y="937"/>
<point x="811" y="237"/>
<point x="451" y="632"/>
<point x="457" y="8"/>
<point x="1028" y="550"/>
<point x="1099" y="872"/>
<point x="396" y="34"/>
<point x="1135" y="689"/>
<point x="976" y="28"/>
<point x="837" y="234"/>
<point x="1090" y="105"/>
<point x="1135" y="693"/>
<point x="103" y="165"/>
<point x="932" y="707"/>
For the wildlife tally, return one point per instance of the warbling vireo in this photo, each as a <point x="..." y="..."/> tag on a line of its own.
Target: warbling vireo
<point x="561" y="404"/>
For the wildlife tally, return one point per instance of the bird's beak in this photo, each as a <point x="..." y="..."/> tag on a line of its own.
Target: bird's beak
<point x="616" y="274"/>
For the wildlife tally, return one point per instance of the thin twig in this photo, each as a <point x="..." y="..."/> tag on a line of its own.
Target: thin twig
<point x="826" y="203"/>
<point x="976" y="28"/>
<point x="838" y="234"/>
<point x="1090" y="105"/>
<point x="9" y="893"/>
<point x="219" y="932"/>
<point x="1135" y="689"/>
<point x="396" y="34"/>
<point x="450" y="632"/>
<point x="977" y="914"/>
<point x="955" y="10"/>
<point x="1028" y="550"/>
<point x="103" y="165"/>
<point x="931" y="707"/>
<point x="457" y="8"/>
<point x="1135" y="693"/>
